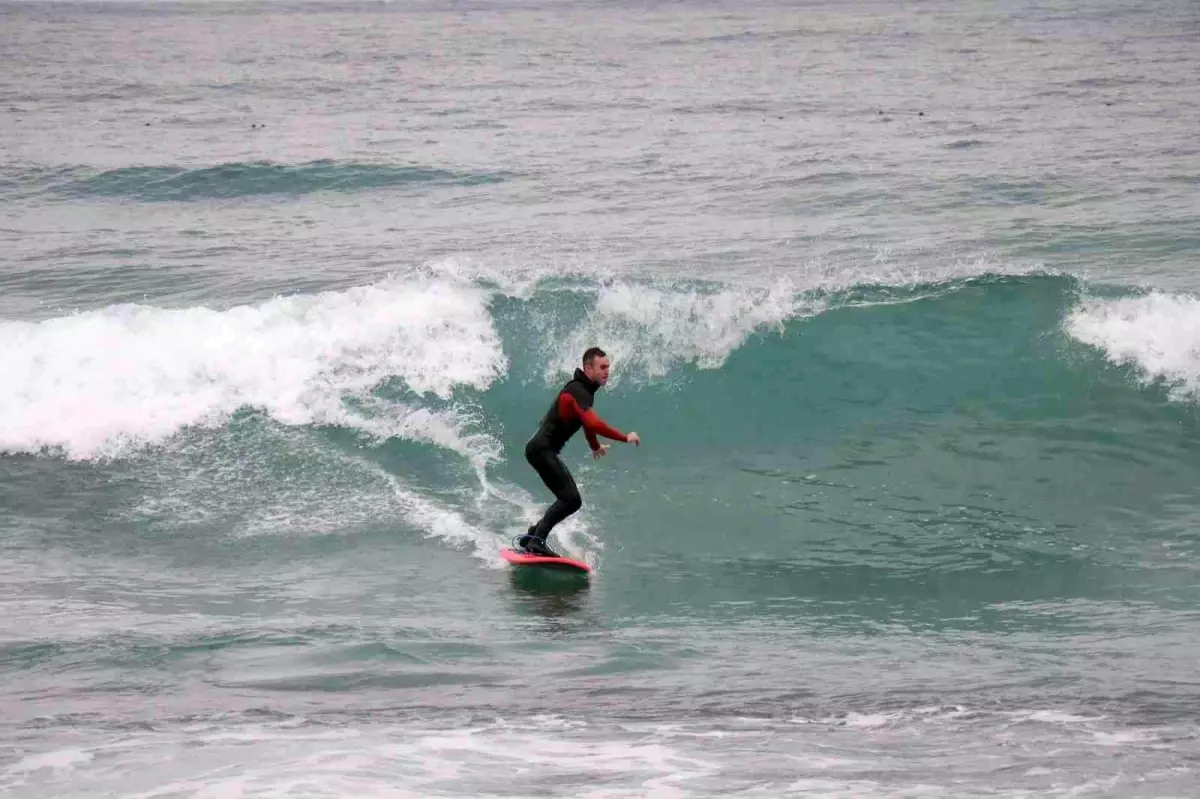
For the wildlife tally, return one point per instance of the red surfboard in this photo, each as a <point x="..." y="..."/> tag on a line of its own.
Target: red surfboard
<point x="528" y="559"/>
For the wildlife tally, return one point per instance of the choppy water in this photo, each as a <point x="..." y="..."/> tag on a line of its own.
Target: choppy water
<point x="903" y="302"/>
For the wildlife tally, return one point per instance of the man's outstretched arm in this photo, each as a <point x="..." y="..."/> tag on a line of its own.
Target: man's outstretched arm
<point x="593" y="425"/>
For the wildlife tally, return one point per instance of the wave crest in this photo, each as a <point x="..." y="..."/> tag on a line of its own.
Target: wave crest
<point x="107" y="381"/>
<point x="1158" y="334"/>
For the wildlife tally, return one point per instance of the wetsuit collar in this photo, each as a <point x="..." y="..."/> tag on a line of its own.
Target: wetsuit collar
<point x="591" y="384"/>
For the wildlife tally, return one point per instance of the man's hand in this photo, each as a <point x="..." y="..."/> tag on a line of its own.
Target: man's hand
<point x="633" y="438"/>
<point x="600" y="451"/>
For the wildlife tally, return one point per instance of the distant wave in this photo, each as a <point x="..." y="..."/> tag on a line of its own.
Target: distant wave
<point x="226" y="181"/>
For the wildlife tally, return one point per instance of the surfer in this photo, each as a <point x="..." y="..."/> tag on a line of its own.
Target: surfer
<point x="571" y="410"/>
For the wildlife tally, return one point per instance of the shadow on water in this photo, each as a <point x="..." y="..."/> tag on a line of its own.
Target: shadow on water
<point x="548" y="592"/>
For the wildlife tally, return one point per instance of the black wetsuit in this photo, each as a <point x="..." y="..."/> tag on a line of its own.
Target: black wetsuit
<point x="571" y="410"/>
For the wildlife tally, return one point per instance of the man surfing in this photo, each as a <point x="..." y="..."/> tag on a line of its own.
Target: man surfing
<point x="571" y="410"/>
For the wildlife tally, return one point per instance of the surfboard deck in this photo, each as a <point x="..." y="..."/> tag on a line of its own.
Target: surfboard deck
<point x="527" y="559"/>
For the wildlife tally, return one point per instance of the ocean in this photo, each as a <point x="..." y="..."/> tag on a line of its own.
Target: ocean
<point x="903" y="300"/>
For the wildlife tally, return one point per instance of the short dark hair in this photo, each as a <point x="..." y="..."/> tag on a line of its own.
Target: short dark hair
<point x="591" y="354"/>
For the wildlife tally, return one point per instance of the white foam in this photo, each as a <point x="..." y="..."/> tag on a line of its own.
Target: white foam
<point x="1054" y="717"/>
<point x="648" y="331"/>
<point x="447" y="428"/>
<point x="577" y="755"/>
<point x="275" y="760"/>
<point x="870" y="721"/>
<point x="61" y="760"/>
<point x="104" y="382"/>
<point x="1126" y="737"/>
<point x="439" y="521"/>
<point x="1159" y="334"/>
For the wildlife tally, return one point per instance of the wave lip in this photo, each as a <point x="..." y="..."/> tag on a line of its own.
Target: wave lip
<point x="234" y="180"/>
<point x="652" y="331"/>
<point x="1158" y="334"/>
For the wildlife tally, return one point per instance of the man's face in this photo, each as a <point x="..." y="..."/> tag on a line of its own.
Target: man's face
<point x="597" y="370"/>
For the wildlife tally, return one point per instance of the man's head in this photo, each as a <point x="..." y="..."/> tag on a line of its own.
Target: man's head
<point x="595" y="365"/>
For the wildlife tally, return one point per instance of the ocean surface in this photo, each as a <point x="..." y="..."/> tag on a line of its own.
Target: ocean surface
<point x="903" y="299"/>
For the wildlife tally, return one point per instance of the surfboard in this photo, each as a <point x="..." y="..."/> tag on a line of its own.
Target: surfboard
<point x="528" y="559"/>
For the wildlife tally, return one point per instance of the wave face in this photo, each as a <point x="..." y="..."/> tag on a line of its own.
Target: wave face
<point x="1010" y="407"/>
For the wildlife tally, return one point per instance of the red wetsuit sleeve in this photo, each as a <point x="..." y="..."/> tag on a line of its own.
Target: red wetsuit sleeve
<point x="593" y="425"/>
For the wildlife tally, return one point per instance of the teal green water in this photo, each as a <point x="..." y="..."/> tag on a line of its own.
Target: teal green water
<point x="899" y="300"/>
